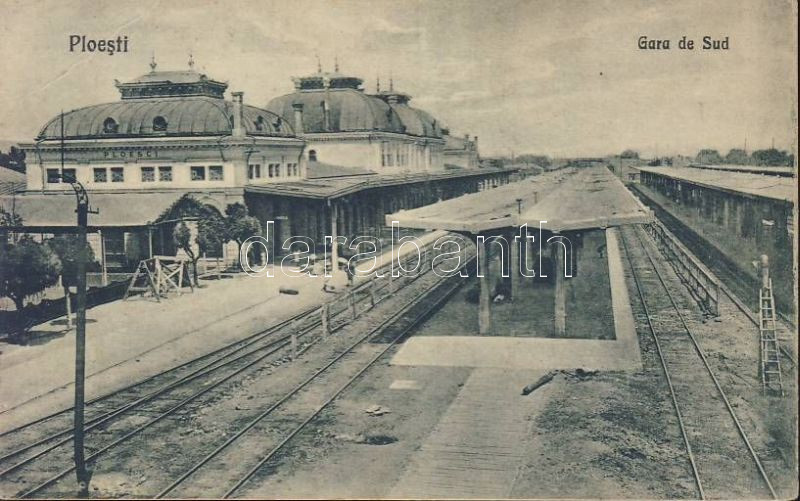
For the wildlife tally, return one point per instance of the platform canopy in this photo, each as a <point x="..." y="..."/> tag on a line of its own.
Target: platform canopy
<point x="563" y="200"/>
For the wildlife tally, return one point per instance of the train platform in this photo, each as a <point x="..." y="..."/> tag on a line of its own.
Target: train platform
<point x="539" y="353"/>
<point x="127" y="341"/>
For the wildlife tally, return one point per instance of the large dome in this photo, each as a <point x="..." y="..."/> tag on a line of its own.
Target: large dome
<point x="169" y="116"/>
<point x="417" y="122"/>
<point x="350" y="110"/>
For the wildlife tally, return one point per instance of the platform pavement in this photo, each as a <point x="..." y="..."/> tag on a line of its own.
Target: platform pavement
<point x="130" y="340"/>
<point x="536" y="353"/>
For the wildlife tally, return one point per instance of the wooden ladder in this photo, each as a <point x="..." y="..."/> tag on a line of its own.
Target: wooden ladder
<point x="771" y="378"/>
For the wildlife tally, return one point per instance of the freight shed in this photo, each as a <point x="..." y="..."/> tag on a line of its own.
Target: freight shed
<point x="731" y="218"/>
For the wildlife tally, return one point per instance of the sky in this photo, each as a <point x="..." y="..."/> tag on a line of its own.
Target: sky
<point x="563" y="78"/>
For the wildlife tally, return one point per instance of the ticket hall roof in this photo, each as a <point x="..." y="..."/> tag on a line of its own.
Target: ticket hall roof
<point x="562" y="200"/>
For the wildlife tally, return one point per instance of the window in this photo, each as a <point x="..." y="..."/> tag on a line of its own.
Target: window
<point x="100" y="175"/>
<point x="277" y="170"/>
<point x="291" y="169"/>
<point x="148" y="174"/>
<point x="254" y="171"/>
<point x="159" y="124"/>
<point x="53" y="176"/>
<point x="312" y="155"/>
<point x="117" y="175"/>
<point x="274" y="170"/>
<point x="215" y="173"/>
<point x="387" y="156"/>
<point x="68" y="176"/>
<point x="198" y="173"/>
<point x="110" y="126"/>
<point x="260" y="123"/>
<point x="165" y="173"/>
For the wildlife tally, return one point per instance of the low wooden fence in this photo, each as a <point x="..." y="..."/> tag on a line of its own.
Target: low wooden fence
<point x="691" y="271"/>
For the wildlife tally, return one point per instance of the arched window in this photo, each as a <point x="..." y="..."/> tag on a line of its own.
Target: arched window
<point x="312" y="155"/>
<point x="260" y="123"/>
<point x="110" y="126"/>
<point x="159" y="124"/>
<point x="278" y="124"/>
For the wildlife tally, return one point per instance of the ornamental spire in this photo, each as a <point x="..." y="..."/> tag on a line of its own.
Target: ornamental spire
<point x="153" y="63"/>
<point x="191" y="61"/>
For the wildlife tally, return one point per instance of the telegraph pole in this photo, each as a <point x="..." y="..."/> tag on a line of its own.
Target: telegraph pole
<point x="83" y="211"/>
<point x="80" y="339"/>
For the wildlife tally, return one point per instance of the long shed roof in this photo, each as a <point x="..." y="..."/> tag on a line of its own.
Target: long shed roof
<point x="765" y="186"/>
<point x="561" y="200"/>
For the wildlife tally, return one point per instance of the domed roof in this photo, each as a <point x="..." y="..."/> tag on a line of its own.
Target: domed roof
<point x="167" y="116"/>
<point x="417" y="122"/>
<point x="350" y="110"/>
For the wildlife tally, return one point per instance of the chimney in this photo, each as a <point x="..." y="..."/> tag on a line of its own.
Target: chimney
<point x="238" y="114"/>
<point x="298" y="118"/>
<point x="466" y="142"/>
<point x="475" y="143"/>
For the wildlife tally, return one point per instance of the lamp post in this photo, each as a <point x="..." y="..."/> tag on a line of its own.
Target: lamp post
<point x="83" y="211"/>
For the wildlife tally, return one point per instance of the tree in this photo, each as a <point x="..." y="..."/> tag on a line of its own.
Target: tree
<point x="240" y="225"/>
<point x="772" y="157"/>
<point x="211" y="228"/>
<point x="26" y="267"/>
<point x="67" y="248"/>
<point x="14" y="159"/>
<point x="182" y="236"/>
<point x="630" y="154"/>
<point x="8" y="219"/>
<point x="737" y="156"/>
<point x="210" y="236"/>
<point x="708" y="156"/>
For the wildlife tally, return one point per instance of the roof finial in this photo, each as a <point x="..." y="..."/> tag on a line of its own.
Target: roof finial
<point x="191" y="60"/>
<point x="319" y="64"/>
<point x="378" y="84"/>
<point x="336" y="63"/>
<point x="391" y="82"/>
<point x="153" y="63"/>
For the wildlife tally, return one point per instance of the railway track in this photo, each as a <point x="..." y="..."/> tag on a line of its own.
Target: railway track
<point x="722" y="461"/>
<point x="46" y="440"/>
<point x="291" y="414"/>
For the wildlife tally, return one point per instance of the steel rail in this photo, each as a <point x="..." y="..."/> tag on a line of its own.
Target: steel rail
<point x="244" y="343"/>
<point x="201" y="371"/>
<point x="667" y="376"/>
<point x="341" y="390"/>
<point x="710" y="371"/>
<point x="281" y="342"/>
<point x="217" y="351"/>
<point x="157" y="375"/>
<point x="211" y="455"/>
<point x="181" y="404"/>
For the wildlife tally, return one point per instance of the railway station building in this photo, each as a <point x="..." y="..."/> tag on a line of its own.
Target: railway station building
<point x="328" y="158"/>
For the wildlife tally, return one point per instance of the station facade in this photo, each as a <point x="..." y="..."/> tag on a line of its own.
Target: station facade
<point x="327" y="158"/>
